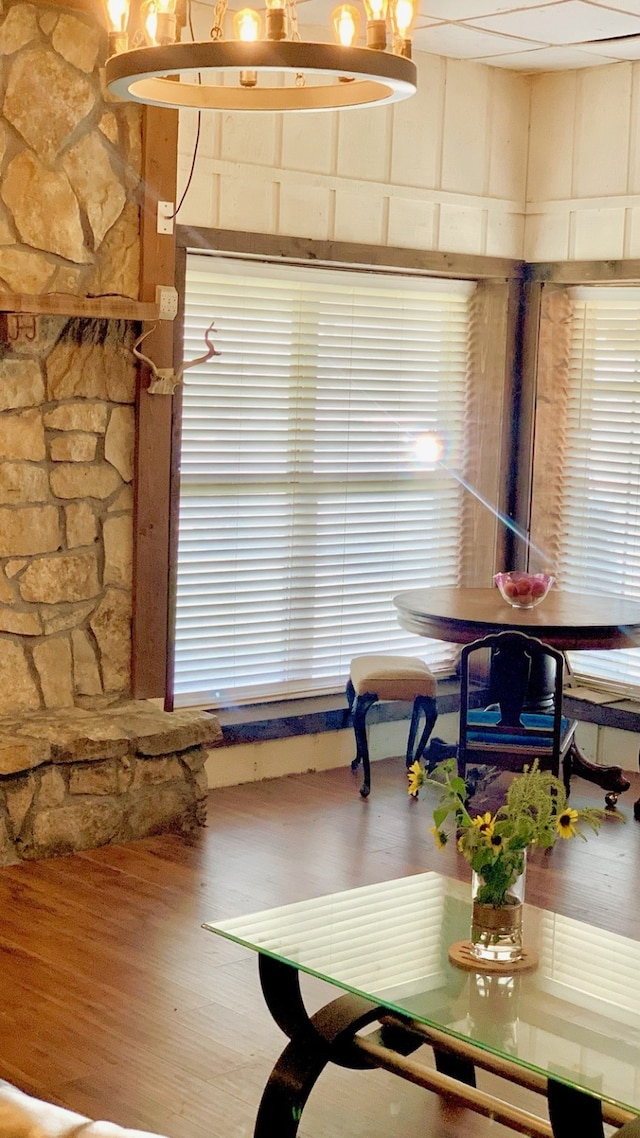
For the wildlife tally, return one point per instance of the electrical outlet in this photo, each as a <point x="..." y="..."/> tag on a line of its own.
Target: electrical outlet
<point x="167" y="301"/>
<point x="165" y="217"/>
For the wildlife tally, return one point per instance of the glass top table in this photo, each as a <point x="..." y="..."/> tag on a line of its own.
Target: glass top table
<point x="570" y="1028"/>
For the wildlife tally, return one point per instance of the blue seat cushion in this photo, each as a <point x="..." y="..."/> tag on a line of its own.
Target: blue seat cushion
<point x="477" y="720"/>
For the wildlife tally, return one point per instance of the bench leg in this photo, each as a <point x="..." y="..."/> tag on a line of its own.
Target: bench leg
<point x="422" y="705"/>
<point x="361" y="706"/>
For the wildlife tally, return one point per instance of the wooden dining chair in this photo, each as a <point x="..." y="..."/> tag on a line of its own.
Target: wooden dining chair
<point x="510" y="733"/>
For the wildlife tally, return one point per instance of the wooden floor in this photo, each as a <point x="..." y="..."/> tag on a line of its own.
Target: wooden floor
<point x="116" y="1003"/>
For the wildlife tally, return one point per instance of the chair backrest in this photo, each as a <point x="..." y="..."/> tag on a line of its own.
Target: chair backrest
<point x="512" y="727"/>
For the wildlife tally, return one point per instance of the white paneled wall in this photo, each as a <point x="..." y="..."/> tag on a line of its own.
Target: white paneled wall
<point x="584" y="165"/>
<point x="480" y="161"/>
<point x="445" y="170"/>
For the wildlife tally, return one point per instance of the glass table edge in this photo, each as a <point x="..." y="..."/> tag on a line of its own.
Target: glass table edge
<point x="390" y="1007"/>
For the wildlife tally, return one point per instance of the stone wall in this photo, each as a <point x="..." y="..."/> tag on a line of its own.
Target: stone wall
<point x="76" y="780"/>
<point x="66" y="506"/>
<point x="69" y="160"/>
<point x="80" y="764"/>
<point x="69" y="223"/>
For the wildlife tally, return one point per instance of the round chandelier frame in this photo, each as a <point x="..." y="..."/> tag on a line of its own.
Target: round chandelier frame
<point x="363" y="77"/>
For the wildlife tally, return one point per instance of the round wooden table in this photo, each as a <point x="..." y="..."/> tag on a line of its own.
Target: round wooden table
<point x="569" y="621"/>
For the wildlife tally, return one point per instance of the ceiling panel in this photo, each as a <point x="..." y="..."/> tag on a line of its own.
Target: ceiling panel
<point x="524" y="35"/>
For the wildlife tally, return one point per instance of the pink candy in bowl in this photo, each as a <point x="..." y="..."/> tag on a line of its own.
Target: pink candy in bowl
<point x="523" y="590"/>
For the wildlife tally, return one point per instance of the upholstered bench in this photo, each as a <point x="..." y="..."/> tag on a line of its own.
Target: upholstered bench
<point x="382" y="678"/>
<point x="22" y="1116"/>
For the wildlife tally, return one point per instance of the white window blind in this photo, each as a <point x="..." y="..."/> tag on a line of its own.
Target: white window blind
<point x="302" y="510"/>
<point x="601" y="479"/>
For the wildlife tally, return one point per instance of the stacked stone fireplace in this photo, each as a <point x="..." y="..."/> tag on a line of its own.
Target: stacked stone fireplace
<point x="81" y="763"/>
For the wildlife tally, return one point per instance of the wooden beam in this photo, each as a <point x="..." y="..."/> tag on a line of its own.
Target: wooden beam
<point x="583" y="272"/>
<point x="154" y="415"/>
<point x="461" y="265"/>
<point x="64" y="304"/>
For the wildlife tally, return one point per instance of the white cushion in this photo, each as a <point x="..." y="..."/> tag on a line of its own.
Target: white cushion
<point x="22" y="1116"/>
<point x="392" y="677"/>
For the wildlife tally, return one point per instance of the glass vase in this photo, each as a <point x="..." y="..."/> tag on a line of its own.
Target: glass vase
<point x="496" y="930"/>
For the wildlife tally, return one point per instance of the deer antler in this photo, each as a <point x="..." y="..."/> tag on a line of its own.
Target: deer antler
<point x="165" y="380"/>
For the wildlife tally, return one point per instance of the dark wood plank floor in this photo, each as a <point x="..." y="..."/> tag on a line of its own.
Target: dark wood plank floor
<point x="117" y="1004"/>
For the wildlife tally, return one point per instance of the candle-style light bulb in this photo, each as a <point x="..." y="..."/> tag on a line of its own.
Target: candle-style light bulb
<point x="346" y="24"/>
<point x="276" y="22"/>
<point x="246" y="28"/>
<point x="376" y="23"/>
<point x="166" y="21"/>
<point x="117" y="13"/>
<point x="159" y="21"/>
<point x="403" y="13"/>
<point x="246" y="25"/>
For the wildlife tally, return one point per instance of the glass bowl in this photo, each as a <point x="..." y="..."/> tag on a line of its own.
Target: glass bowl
<point x="523" y="590"/>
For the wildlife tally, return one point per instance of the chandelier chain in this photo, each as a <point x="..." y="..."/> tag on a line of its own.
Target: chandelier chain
<point x="219" y="11"/>
<point x="292" y="14"/>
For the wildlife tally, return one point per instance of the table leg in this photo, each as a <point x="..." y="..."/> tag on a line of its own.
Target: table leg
<point x="572" y="1112"/>
<point x="280" y="985"/>
<point x="326" y="1038"/>
<point x="540" y="698"/>
<point x="610" y="779"/>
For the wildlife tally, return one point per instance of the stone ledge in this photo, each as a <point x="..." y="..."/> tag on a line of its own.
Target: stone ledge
<point x="76" y="735"/>
<point x="76" y="779"/>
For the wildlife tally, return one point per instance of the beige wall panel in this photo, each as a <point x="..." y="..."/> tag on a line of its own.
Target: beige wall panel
<point x="201" y="205"/>
<point x="309" y="149"/>
<point x="364" y="144"/>
<point x="505" y="234"/>
<point x="509" y="137"/>
<point x="462" y="229"/>
<point x="358" y="218"/>
<point x="246" y="204"/>
<point x="243" y="138"/>
<point x="632" y="233"/>
<point x="412" y="223"/>
<point x="601" y="163"/>
<point x="546" y="236"/>
<point x="634" y="139"/>
<point x="553" y="100"/>
<point x="466" y="126"/>
<point x="417" y="128"/>
<point x="210" y="131"/>
<point x="599" y="234"/>
<point x="619" y="748"/>
<point x="305" y="211"/>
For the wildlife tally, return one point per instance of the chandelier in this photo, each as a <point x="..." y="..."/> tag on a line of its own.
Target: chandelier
<point x="149" y="62"/>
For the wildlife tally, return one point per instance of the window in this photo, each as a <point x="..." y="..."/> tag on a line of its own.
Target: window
<point x="303" y="508"/>
<point x="600" y="546"/>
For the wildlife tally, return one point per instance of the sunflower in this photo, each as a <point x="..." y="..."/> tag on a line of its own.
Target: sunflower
<point x="415" y="774"/>
<point x="566" y="823"/>
<point x="496" y="842"/>
<point x="484" y="823"/>
<point x="439" y="837"/>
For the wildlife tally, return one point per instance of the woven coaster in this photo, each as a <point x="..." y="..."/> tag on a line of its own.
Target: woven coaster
<point x="460" y="955"/>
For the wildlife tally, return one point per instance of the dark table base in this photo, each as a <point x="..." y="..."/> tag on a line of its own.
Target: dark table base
<point x="331" y="1036"/>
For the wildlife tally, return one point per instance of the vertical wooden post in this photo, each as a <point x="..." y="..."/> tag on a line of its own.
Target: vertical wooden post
<point x="154" y="419"/>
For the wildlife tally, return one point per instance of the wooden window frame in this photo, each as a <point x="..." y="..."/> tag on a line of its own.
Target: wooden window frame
<point x="158" y="417"/>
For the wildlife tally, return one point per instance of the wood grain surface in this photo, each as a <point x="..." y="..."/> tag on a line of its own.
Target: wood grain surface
<point x="116" y="1003"/>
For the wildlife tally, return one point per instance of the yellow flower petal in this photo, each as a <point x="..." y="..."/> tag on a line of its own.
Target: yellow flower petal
<point x="484" y="823"/>
<point x="566" y="823"/>
<point x="439" y="837"/>
<point x="415" y="774"/>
